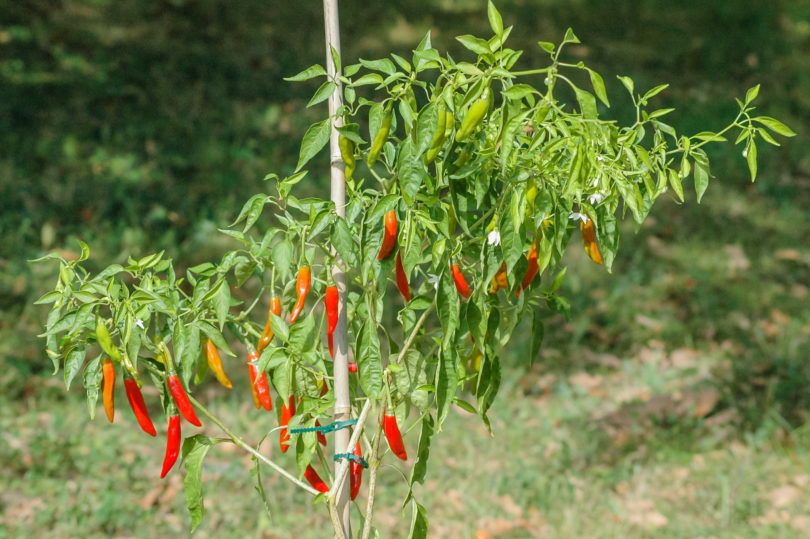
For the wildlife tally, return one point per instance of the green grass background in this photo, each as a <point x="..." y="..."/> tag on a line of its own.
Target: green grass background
<point x="673" y="403"/>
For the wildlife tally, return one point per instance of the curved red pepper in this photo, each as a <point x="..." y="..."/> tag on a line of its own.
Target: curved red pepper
<point x="267" y="334"/>
<point x="461" y="283"/>
<point x="330" y="300"/>
<point x="172" y="445"/>
<point x="108" y="393"/>
<point x="402" y="279"/>
<point x="302" y="285"/>
<point x="180" y="398"/>
<point x="315" y="479"/>
<point x="390" y="235"/>
<point x="355" y="473"/>
<point x="258" y="380"/>
<point x="138" y="405"/>
<point x="531" y="271"/>
<point x="393" y="436"/>
<point x="286" y="414"/>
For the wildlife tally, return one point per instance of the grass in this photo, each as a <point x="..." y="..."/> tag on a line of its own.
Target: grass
<point x="664" y="408"/>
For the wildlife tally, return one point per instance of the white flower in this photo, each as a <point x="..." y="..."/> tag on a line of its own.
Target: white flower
<point x="600" y="157"/>
<point x="494" y="238"/>
<point x="139" y="323"/>
<point x="581" y="216"/>
<point x="434" y="280"/>
<point x="745" y="153"/>
<point x="596" y="198"/>
<point x="595" y="182"/>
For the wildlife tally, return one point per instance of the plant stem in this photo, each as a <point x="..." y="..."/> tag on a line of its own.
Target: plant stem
<point x="244" y="445"/>
<point x="373" y="465"/>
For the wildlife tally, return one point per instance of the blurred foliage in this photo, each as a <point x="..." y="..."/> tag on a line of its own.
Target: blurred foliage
<point x="141" y="126"/>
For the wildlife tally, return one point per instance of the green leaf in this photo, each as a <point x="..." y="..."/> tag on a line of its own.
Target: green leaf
<point x="419" y="522"/>
<point x="309" y="73"/>
<point x="675" y="183"/>
<point x="447" y="306"/>
<point x="194" y="451"/>
<point x="282" y="254"/>
<point x="222" y="302"/>
<point x="538" y="332"/>
<point x="598" y="86"/>
<point x="587" y="103"/>
<point x="654" y="91"/>
<point x="322" y="94"/>
<point x="477" y="45"/>
<point x="519" y="91"/>
<point x="369" y="361"/>
<point x="49" y="297"/>
<point x="446" y="383"/>
<point x="280" y="327"/>
<point x="628" y="83"/>
<point x="570" y="37"/>
<point x="775" y="125"/>
<point x="305" y="447"/>
<point x="368" y="78"/>
<point x="410" y="170"/>
<point x="385" y="65"/>
<point x="92" y="381"/>
<point x="248" y="206"/>
<point x="215" y="335"/>
<point x="316" y="137"/>
<point x="701" y="178"/>
<point x="303" y="334"/>
<point x="73" y="362"/>
<point x="546" y="46"/>
<point x="495" y="21"/>
<point x="341" y="239"/>
<point x="751" y="94"/>
<point x="423" y="452"/>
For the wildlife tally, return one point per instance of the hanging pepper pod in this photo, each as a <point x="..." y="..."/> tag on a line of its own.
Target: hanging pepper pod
<point x="347" y="154"/>
<point x="108" y="392"/>
<point x="181" y="399"/>
<point x="531" y="271"/>
<point x="402" y="279"/>
<point x="475" y="115"/>
<point x="389" y="236"/>
<point x="267" y="334"/>
<point x="321" y="436"/>
<point x="302" y="285"/>
<point x="393" y="435"/>
<point x="330" y="301"/>
<point x="589" y="241"/>
<point x="437" y="141"/>
<point x="172" y="444"/>
<point x="380" y="137"/>
<point x="138" y="405"/>
<point x="258" y="381"/>
<point x="215" y="363"/>
<point x="461" y="283"/>
<point x="286" y="414"/>
<point x="355" y="473"/>
<point x="500" y="280"/>
<point x="315" y="479"/>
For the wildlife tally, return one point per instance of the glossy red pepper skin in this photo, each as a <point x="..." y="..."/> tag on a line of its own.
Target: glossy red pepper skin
<point x="531" y="271"/>
<point x="172" y="445"/>
<point x="108" y="392"/>
<point x="286" y="414"/>
<point x="402" y="279"/>
<point x="389" y="236"/>
<point x="321" y="436"/>
<point x="393" y="436"/>
<point x="267" y="334"/>
<point x="355" y="473"/>
<point x="315" y="479"/>
<point x="461" y="283"/>
<point x="259" y="381"/>
<point x="302" y="284"/>
<point x="138" y="405"/>
<point x="330" y="301"/>
<point x="352" y="366"/>
<point x="181" y="400"/>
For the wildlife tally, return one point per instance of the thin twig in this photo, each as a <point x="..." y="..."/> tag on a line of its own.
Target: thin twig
<point x="373" y="465"/>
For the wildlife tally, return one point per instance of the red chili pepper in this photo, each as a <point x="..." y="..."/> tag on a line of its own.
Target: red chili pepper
<point x="589" y="241"/>
<point x="172" y="445"/>
<point x="138" y="405"/>
<point x="402" y="279"/>
<point x="352" y="366"/>
<point x="267" y="334"/>
<point x="315" y="479"/>
<point x="390" y="235"/>
<point x="355" y="473"/>
<point x="330" y="300"/>
<point x="258" y="380"/>
<point x="461" y="283"/>
<point x="286" y="414"/>
<point x="180" y="398"/>
<point x="108" y="370"/>
<point x="531" y="271"/>
<point x="321" y="436"/>
<point x="302" y="285"/>
<point x="393" y="435"/>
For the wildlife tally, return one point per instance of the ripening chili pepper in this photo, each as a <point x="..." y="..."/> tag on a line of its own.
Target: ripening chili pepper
<point x="181" y="399"/>
<point x="286" y="414"/>
<point x="449" y="120"/>
<point x="531" y="271"/>
<point x="380" y="137"/>
<point x="500" y="280"/>
<point x="347" y="153"/>
<point x="215" y="363"/>
<point x="108" y="370"/>
<point x="461" y="283"/>
<point x="267" y="334"/>
<point x="172" y="445"/>
<point x="402" y="279"/>
<point x="253" y="391"/>
<point x="352" y="366"/>
<point x="355" y="473"/>
<point x="321" y="436"/>
<point x="258" y="380"/>
<point x="437" y="141"/>
<point x="330" y="300"/>
<point x="138" y="405"/>
<point x="589" y="241"/>
<point x="302" y="284"/>
<point x="475" y="114"/>
<point x="389" y="236"/>
<point x="315" y="479"/>
<point x="393" y="435"/>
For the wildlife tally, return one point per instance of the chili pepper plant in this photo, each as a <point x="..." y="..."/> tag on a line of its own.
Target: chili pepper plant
<point x="466" y="181"/>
